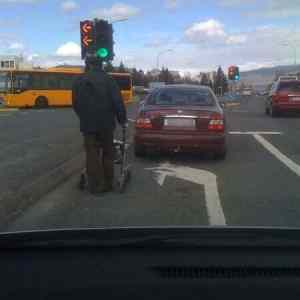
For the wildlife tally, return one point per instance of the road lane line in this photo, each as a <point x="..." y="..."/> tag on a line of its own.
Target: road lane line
<point x="131" y="120"/>
<point x="255" y="132"/>
<point x="279" y="155"/>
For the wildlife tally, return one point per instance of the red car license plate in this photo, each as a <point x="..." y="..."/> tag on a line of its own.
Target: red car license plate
<point x="296" y="99"/>
<point x="180" y="122"/>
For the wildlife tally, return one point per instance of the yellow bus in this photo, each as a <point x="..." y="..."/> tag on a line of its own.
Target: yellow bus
<point x="51" y="87"/>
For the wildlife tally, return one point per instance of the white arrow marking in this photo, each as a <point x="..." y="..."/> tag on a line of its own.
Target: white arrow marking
<point x="201" y="177"/>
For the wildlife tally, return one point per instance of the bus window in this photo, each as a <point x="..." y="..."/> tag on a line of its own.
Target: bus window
<point x="4" y="77"/>
<point x="21" y="82"/>
<point x="66" y="81"/>
<point x="123" y="82"/>
<point x="45" y="81"/>
<point x="52" y="82"/>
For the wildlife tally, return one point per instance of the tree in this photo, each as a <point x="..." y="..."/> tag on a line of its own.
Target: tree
<point x="221" y="83"/>
<point x="166" y="76"/>
<point x="122" y="68"/>
<point x="138" y="77"/>
<point x="204" y="79"/>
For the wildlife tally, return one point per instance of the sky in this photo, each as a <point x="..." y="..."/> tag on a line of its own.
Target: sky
<point x="188" y="35"/>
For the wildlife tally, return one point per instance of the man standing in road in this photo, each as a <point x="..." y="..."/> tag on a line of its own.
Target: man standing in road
<point x="97" y="102"/>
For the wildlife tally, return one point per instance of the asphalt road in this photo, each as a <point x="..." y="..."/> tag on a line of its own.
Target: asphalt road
<point x="32" y="143"/>
<point x="256" y="185"/>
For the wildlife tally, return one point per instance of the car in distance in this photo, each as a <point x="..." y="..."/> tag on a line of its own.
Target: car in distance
<point x="284" y="96"/>
<point x="247" y="92"/>
<point x="181" y="118"/>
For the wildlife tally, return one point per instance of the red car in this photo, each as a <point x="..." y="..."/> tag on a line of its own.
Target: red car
<point x="284" y="97"/>
<point x="181" y="118"/>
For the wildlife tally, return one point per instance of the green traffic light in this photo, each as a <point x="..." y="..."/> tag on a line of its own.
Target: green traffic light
<point x="102" y="53"/>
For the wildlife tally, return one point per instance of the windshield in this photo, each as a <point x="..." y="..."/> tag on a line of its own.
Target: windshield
<point x="161" y="113"/>
<point x="292" y="86"/>
<point x="180" y="96"/>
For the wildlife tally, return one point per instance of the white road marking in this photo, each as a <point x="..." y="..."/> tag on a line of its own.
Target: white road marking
<point x="131" y="120"/>
<point x="279" y="155"/>
<point x="255" y="132"/>
<point x="201" y="177"/>
<point x="240" y="111"/>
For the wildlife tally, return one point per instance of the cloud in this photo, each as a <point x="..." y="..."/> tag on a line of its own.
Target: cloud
<point x="267" y="8"/>
<point x="281" y="9"/>
<point x="16" y="46"/>
<point x="236" y="39"/>
<point x="210" y="29"/>
<point x="69" y="49"/>
<point x="20" y="1"/>
<point x="47" y="61"/>
<point x="32" y="57"/>
<point x="69" y="6"/>
<point x="232" y="3"/>
<point x="118" y="11"/>
<point x="172" y="4"/>
<point x="158" y="40"/>
<point x="212" y="32"/>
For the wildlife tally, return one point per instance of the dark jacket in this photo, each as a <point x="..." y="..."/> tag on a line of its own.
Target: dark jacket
<point x="98" y="102"/>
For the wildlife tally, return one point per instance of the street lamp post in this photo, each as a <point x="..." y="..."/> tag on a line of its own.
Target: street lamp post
<point x="159" y="55"/>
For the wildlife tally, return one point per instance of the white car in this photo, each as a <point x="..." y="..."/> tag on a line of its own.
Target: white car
<point x="247" y="92"/>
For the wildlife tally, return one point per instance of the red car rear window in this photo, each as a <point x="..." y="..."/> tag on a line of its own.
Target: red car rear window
<point x="291" y="86"/>
<point x="175" y="97"/>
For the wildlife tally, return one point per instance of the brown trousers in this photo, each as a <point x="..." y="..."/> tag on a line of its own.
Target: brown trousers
<point x="99" y="149"/>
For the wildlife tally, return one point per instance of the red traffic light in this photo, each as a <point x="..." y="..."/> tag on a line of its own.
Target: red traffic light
<point x="87" y="27"/>
<point x="86" y="32"/>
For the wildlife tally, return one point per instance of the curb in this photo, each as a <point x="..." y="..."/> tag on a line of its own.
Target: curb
<point x="13" y="205"/>
<point x="8" y="109"/>
<point x="232" y="104"/>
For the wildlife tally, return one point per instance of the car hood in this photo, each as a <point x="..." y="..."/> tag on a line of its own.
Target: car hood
<point x="154" y="236"/>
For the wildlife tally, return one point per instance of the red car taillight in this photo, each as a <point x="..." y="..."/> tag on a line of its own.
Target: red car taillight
<point x="216" y="123"/>
<point x="143" y="123"/>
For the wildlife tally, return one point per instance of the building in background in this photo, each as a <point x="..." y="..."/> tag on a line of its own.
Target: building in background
<point x="14" y="62"/>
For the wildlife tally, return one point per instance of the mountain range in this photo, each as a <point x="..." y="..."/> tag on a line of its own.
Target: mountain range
<point x="264" y="76"/>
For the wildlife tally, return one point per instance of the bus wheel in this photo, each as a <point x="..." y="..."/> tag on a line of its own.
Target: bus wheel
<point x="41" y="102"/>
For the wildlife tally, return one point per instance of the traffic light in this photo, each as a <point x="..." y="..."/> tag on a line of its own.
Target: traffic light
<point x="104" y="43"/>
<point x="237" y="74"/>
<point x="233" y="73"/>
<point x="87" y="37"/>
<point x="97" y="39"/>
